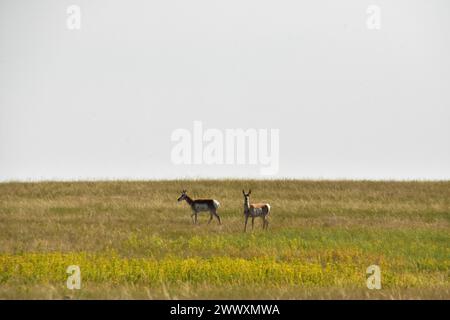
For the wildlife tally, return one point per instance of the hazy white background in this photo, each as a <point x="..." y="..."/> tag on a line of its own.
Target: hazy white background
<point x="103" y="101"/>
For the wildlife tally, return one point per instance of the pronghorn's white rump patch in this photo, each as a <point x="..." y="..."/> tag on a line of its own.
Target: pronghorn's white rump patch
<point x="216" y="204"/>
<point x="227" y="147"/>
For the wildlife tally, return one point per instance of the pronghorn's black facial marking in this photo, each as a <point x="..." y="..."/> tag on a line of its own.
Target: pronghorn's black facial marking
<point x="183" y="196"/>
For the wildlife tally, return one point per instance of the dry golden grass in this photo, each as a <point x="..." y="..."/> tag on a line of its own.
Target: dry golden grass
<point x="133" y="240"/>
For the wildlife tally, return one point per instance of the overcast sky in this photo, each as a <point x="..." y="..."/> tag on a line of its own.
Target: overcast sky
<point x="102" y="102"/>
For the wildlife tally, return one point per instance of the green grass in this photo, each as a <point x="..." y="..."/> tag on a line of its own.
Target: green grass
<point x="133" y="240"/>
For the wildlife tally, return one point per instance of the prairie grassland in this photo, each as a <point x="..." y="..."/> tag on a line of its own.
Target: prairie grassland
<point x="133" y="240"/>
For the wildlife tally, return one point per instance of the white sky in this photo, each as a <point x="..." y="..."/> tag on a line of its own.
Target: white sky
<point x="102" y="102"/>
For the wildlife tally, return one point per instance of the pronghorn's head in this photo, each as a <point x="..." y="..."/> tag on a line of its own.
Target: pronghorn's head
<point x="183" y="195"/>
<point x="247" y="195"/>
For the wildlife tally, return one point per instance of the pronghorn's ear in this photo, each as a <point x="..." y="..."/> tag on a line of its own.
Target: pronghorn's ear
<point x="243" y="192"/>
<point x="249" y="191"/>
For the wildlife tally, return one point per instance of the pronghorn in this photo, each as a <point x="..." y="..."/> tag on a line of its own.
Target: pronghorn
<point x="255" y="210"/>
<point x="200" y="205"/>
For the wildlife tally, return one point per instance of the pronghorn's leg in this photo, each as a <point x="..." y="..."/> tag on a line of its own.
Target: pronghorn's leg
<point x="192" y="217"/>
<point x="217" y="216"/>
<point x="253" y="222"/>
<point x="245" y="225"/>
<point x="210" y="217"/>
<point x="195" y="217"/>
<point x="266" y="222"/>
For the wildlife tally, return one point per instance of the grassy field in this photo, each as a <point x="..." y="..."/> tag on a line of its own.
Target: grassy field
<point x="134" y="240"/>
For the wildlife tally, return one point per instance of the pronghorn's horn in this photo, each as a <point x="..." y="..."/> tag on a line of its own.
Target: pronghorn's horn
<point x="243" y="192"/>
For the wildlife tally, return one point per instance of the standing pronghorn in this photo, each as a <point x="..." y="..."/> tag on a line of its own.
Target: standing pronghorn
<point x="200" y="205"/>
<point x="255" y="210"/>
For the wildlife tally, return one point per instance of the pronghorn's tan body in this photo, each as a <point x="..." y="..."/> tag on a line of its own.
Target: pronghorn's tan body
<point x="254" y="210"/>
<point x="265" y="207"/>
